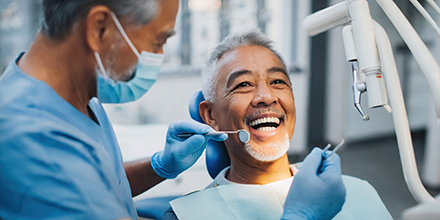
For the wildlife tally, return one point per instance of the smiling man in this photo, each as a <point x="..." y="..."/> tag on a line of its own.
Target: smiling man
<point x="246" y="86"/>
<point x="252" y="91"/>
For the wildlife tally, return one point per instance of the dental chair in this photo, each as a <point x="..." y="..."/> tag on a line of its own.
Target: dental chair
<point x="217" y="159"/>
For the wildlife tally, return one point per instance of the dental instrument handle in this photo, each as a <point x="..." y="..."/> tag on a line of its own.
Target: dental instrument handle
<point x="362" y="26"/>
<point x="358" y="86"/>
<point x="207" y="134"/>
<point x="327" y="147"/>
<point x="227" y="132"/>
<point x="243" y="135"/>
<point x="323" y="155"/>
<point x="336" y="149"/>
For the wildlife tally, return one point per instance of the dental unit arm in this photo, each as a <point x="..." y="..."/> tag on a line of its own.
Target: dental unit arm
<point x="369" y="52"/>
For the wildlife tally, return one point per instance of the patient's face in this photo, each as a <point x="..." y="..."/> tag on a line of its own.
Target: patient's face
<point x="254" y="93"/>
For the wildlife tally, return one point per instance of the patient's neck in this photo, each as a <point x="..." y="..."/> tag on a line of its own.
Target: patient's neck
<point x="256" y="172"/>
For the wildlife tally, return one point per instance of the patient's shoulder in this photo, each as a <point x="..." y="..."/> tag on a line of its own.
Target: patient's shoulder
<point x="353" y="183"/>
<point x="357" y="187"/>
<point x="352" y="179"/>
<point x="360" y="200"/>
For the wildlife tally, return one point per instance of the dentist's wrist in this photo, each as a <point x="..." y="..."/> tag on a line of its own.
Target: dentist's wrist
<point x="298" y="212"/>
<point x="159" y="167"/>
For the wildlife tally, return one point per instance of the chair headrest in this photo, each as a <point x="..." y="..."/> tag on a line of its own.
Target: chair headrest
<point x="217" y="157"/>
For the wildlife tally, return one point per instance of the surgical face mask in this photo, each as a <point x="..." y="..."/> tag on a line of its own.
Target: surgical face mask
<point x="146" y="74"/>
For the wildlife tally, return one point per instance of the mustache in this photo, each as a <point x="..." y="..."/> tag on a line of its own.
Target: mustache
<point x="129" y="74"/>
<point x="248" y="119"/>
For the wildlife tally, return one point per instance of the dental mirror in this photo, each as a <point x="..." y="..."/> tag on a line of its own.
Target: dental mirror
<point x="244" y="136"/>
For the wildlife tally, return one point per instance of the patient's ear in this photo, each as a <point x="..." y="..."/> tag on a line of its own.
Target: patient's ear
<point x="205" y="109"/>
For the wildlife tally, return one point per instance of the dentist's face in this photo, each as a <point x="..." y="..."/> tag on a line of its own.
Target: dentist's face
<point x="254" y="93"/>
<point x="151" y="38"/>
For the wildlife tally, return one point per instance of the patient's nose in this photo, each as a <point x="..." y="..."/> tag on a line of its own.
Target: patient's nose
<point x="264" y="96"/>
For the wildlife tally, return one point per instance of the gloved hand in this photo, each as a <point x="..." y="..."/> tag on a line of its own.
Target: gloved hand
<point x="315" y="194"/>
<point x="179" y="153"/>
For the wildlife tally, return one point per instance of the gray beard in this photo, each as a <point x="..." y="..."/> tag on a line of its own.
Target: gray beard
<point x="272" y="152"/>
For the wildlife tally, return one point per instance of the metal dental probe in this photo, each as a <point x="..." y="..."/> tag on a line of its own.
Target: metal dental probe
<point x="333" y="151"/>
<point x="325" y="156"/>
<point x="327" y="147"/>
<point x="243" y="135"/>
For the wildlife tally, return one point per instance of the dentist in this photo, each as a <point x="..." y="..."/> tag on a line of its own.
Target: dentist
<point x="59" y="157"/>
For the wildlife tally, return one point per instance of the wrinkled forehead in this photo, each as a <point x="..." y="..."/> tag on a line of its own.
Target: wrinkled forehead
<point x="249" y="59"/>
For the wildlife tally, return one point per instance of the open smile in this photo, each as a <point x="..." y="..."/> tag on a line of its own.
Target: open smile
<point x="265" y="124"/>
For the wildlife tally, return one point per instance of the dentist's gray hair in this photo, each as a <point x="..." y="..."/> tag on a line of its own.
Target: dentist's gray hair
<point x="60" y="16"/>
<point x="239" y="39"/>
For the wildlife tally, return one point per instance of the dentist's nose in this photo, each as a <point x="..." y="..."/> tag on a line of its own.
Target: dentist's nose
<point x="264" y="96"/>
<point x="160" y="50"/>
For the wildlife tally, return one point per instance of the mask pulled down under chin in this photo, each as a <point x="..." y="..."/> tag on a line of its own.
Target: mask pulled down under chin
<point x="146" y="74"/>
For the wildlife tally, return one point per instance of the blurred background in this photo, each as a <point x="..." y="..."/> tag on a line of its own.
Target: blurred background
<point x="321" y="82"/>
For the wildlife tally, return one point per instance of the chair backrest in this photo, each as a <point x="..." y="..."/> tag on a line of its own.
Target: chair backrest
<point x="217" y="157"/>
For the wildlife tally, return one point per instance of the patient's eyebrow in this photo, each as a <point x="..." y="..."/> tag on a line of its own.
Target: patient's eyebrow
<point x="278" y="69"/>
<point x="281" y="70"/>
<point x="235" y="75"/>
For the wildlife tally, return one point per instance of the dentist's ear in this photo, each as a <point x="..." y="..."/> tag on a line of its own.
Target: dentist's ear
<point x="100" y="30"/>
<point x="205" y="109"/>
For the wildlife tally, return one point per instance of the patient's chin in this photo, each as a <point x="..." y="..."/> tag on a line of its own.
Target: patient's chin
<point x="270" y="151"/>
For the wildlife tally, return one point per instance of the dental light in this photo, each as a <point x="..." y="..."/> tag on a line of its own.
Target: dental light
<point x="369" y="52"/>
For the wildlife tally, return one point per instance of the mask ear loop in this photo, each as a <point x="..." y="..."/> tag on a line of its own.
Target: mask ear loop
<point x="124" y="35"/>
<point x="100" y="65"/>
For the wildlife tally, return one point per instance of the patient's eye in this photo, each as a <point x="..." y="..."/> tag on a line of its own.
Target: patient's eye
<point x="278" y="81"/>
<point x="242" y="87"/>
<point x="243" y="84"/>
<point x="280" y="84"/>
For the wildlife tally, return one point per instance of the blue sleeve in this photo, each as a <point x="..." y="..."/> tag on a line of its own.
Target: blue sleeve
<point x="52" y="175"/>
<point x="170" y="215"/>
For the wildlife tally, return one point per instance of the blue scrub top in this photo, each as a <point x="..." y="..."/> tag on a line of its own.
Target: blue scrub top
<point x="55" y="162"/>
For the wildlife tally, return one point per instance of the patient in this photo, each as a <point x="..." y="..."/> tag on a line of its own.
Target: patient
<point x="246" y="86"/>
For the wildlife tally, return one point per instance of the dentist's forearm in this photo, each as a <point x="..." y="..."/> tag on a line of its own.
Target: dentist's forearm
<point x="141" y="176"/>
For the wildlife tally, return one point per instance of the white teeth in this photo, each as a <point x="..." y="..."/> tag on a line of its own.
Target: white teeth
<point x="267" y="129"/>
<point x="265" y="120"/>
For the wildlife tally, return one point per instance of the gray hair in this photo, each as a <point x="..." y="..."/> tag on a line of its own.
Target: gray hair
<point x="239" y="39"/>
<point x="60" y="16"/>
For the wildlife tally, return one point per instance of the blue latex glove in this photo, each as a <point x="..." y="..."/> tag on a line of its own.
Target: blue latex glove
<point x="179" y="153"/>
<point x="315" y="194"/>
